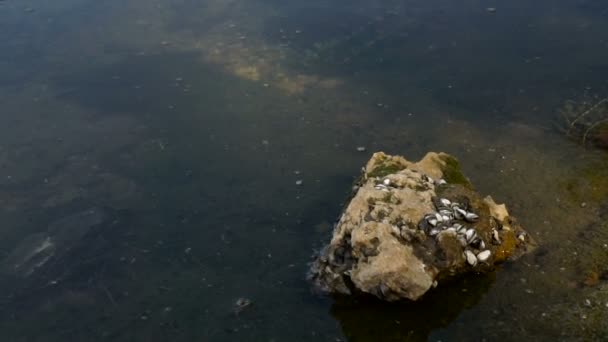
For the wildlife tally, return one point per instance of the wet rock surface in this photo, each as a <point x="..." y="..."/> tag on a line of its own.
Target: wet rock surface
<point x="411" y="226"/>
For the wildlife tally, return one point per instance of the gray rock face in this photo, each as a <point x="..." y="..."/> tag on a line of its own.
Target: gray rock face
<point x="410" y="226"/>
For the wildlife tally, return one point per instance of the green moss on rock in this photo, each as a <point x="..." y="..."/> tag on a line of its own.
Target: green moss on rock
<point x="452" y="172"/>
<point x="385" y="169"/>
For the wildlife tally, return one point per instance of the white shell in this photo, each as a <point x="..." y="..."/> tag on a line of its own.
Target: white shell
<point x="495" y="235"/>
<point x="432" y="222"/>
<point x="459" y="213"/>
<point x="441" y="182"/>
<point x="471" y="216"/>
<point x="445" y="217"/>
<point x="483" y="256"/>
<point x="439" y="217"/>
<point x="387" y="182"/>
<point x="445" y="202"/>
<point x="463" y="241"/>
<point x="470" y="234"/>
<point x="471" y="258"/>
<point x="522" y="237"/>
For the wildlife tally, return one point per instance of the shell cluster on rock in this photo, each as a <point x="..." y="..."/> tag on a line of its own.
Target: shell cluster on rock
<point x="453" y="217"/>
<point x="410" y="225"/>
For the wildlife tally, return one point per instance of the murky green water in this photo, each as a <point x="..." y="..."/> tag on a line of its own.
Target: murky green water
<point x="158" y="144"/>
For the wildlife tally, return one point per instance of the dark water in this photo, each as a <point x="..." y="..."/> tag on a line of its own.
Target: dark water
<point x="149" y="153"/>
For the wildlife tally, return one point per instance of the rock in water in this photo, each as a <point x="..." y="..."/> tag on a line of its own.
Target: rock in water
<point x="410" y="225"/>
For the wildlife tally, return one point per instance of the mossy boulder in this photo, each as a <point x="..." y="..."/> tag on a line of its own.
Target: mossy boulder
<point x="411" y="225"/>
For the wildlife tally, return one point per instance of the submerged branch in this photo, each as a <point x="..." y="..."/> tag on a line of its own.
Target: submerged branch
<point x="583" y="114"/>
<point x="592" y="127"/>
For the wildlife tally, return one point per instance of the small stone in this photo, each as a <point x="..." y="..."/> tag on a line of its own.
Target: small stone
<point x="387" y="182"/>
<point x="583" y="205"/>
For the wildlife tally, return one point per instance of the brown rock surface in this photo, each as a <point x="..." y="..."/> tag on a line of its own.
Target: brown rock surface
<point x="392" y="241"/>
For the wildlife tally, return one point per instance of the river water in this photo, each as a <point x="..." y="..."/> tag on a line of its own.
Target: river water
<point x="149" y="154"/>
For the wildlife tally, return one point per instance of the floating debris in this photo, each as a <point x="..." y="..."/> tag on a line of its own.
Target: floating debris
<point x="361" y="149"/>
<point x="241" y="304"/>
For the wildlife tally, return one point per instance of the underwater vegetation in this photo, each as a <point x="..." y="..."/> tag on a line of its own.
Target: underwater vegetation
<point x="586" y="121"/>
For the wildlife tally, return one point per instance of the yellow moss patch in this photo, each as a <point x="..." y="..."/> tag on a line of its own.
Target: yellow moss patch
<point x="506" y="249"/>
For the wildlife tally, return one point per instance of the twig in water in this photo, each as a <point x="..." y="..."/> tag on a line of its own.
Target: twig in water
<point x="110" y="297"/>
<point x="580" y="116"/>
<point x="591" y="128"/>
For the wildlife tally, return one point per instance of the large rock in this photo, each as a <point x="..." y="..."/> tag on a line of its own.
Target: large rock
<point x="410" y="226"/>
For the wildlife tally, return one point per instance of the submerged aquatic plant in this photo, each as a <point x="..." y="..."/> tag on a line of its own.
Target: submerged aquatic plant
<point x="586" y="121"/>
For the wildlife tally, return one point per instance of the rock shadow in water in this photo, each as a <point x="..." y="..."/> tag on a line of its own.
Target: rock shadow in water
<point x="366" y="319"/>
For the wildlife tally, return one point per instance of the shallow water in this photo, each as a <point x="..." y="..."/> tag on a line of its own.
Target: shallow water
<point x="184" y="125"/>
